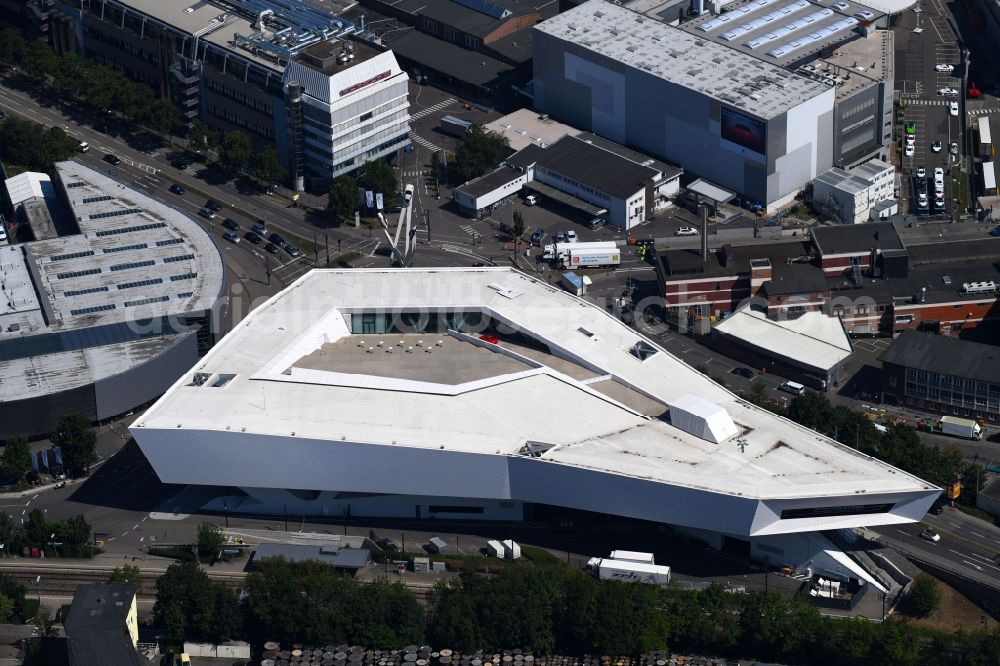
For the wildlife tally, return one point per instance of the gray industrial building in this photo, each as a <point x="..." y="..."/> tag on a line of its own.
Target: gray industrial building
<point x="104" y="320"/>
<point x="287" y="74"/>
<point x="759" y="99"/>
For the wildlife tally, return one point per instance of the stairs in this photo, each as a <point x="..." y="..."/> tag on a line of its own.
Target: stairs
<point x="871" y="557"/>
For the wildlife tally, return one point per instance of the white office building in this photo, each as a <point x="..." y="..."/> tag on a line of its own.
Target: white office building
<point x="849" y="196"/>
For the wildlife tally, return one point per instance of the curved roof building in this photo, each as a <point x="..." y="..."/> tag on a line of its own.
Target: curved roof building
<point x="450" y="392"/>
<point x="105" y="320"/>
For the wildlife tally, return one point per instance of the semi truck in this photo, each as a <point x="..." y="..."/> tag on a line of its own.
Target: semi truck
<point x="511" y="550"/>
<point x="956" y="427"/>
<point x="632" y="556"/>
<point x="455" y="126"/>
<point x="605" y="568"/>
<point x="572" y="256"/>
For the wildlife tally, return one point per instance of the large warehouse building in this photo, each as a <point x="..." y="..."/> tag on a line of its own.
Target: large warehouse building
<point x="760" y="99"/>
<point x="287" y="74"/>
<point x="476" y="393"/>
<point x="105" y="320"/>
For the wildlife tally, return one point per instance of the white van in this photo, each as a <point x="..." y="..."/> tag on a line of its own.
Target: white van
<point x="793" y="387"/>
<point x="83" y="147"/>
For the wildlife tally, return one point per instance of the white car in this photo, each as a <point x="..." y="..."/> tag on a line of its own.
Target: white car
<point x="840" y="6"/>
<point x="408" y="194"/>
<point x="930" y="535"/>
<point x="865" y="15"/>
<point x="944" y="68"/>
<point x="571" y="237"/>
<point x="947" y="92"/>
<point x="939" y="174"/>
<point x="953" y="148"/>
<point x="686" y="231"/>
<point x="921" y="172"/>
<point x="910" y="139"/>
<point x="936" y="147"/>
<point x="953" y="108"/>
<point x="909" y="150"/>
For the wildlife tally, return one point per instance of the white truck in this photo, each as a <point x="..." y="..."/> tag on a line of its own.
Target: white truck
<point x="956" y="427"/>
<point x="632" y="556"/>
<point x="572" y="256"/>
<point x="512" y="550"/>
<point x="606" y="568"/>
<point x="494" y="548"/>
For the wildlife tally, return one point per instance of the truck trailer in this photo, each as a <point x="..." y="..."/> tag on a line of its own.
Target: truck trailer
<point x="572" y="256"/>
<point x="629" y="572"/>
<point x="512" y="550"/>
<point x="495" y="548"/>
<point x="956" y="427"/>
<point x="632" y="556"/>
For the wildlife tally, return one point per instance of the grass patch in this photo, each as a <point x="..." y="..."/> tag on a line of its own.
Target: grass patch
<point x="179" y="553"/>
<point x="977" y="512"/>
<point x="540" y="556"/>
<point x="31" y="607"/>
<point x="961" y="186"/>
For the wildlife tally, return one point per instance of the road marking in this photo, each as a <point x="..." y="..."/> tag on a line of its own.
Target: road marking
<point x="136" y="526"/>
<point x="977" y="534"/>
<point x="372" y="253"/>
<point x="124" y="534"/>
<point x="973" y="565"/>
<point x="902" y="532"/>
<point x="431" y="109"/>
<point x="424" y="142"/>
<point x="955" y="524"/>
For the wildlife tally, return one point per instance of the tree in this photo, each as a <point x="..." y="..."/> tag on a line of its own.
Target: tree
<point x="518" y="230"/>
<point x="343" y="201"/>
<point x="481" y="151"/>
<point x="210" y="540"/>
<point x="192" y="607"/>
<point x="378" y="176"/>
<point x="265" y="167"/>
<point x="200" y="137"/>
<point x="74" y="532"/>
<point x="78" y="442"/>
<point x="16" y="460"/>
<point x="924" y="596"/>
<point x="235" y="151"/>
<point x="12" y="47"/>
<point x="162" y="116"/>
<point x="127" y="574"/>
<point x="38" y="60"/>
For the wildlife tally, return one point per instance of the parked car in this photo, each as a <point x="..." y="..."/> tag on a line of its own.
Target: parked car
<point x="232" y="225"/>
<point x="911" y="139"/>
<point x="596" y="223"/>
<point x="930" y="535"/>
<point x="231" y="237"/>
<point x="260" y="228"/>
<point x="537" y="236"/>
<point x="176" y="189"/>
<point x="936" y="147"/>
<point x="947" y="92"/>
<point x="571" y="237"/>
<point x="939" y="175"/>
<point x="277" y="240"/>
<point x="995" y="231"/>
<point x="908" y="151"/>
<point x="685" y="231"/>
<point x="865" y="15"/>
<point x="531" y="200"/>
<point x="292" y="251"/>
<point x="252" y="237"/>
<point x="112" y="159"/>
<point x="841" y="6"/>
<point x="911" y="128"/>
<point x="272" y="248"/>
<point x="921" y="172"/>
<point x="560" y="237"/>
<point x="207" y="213"/>
<point x="944" y="68"/>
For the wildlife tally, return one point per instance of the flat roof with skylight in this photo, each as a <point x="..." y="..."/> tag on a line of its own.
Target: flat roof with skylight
<point x="686" y="59"/>
<point x="458" y="369"/>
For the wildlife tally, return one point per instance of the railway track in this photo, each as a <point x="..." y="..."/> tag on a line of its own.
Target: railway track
<point x="64" y="579"/>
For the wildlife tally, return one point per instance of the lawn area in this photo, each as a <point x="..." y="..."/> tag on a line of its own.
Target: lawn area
<point x="955" y="612"/>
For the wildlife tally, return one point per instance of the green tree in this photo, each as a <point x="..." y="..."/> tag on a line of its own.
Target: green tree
<point x="162" y="116"/>
<point x="518" y="225"/>
<point x="235" y="151"/>
<point x="78" y="442"/>
<point x="127" y="574"/>
<point x="16" y="460"/>
<point x="343" y="201"/>
<point x="38" y="60"/>
<point x="201" y="137"/>
<point x="12" y="47"/>
<point x="75" y="531"/>
<point x="210" y="540"/>
<point x="481" y="151"/>
<point x="924" y="596"/>
<point x="192" y="607"/>
<point x="378" y="176"/>
<point x="265" y="167"/>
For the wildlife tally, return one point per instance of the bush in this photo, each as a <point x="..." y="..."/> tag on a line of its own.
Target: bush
<point x="924" y="597"/>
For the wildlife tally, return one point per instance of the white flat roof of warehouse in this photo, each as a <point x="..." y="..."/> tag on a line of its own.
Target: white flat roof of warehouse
<point x="685" y="59"/>
<point x="135" y="259"/>
<point x="28" y="185"/>
<point x="525" y="127"/>
<point x="574" y="378"/>
<point x="813" y="338"/>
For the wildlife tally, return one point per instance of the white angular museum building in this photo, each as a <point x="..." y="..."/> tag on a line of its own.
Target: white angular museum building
<point x="472" y="393"/>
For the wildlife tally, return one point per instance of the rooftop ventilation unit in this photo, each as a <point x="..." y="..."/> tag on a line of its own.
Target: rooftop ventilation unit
<point x="979" y="287"/>
<point x="702" y="418"/>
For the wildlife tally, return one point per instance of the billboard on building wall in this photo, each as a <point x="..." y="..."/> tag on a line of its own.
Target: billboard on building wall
<point x="744" y="131"/>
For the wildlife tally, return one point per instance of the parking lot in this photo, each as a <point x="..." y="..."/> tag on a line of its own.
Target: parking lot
<point x="928" y="78"/>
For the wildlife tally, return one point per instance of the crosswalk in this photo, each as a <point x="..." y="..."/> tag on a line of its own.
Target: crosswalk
<point x="983" y="111"/>
<point x="420" y="141"/>
<point x="431" y="109"/>
<point x="930" y="102"/>
<point x="415" y="173"/>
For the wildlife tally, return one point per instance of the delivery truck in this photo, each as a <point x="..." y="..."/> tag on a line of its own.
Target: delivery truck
<point x="494" y="548"/>
<point x="956" y="427"/>
<point x="628" y="572"/>
<point x="511" y="549"/>
<point x="571" y="256"/>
